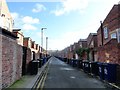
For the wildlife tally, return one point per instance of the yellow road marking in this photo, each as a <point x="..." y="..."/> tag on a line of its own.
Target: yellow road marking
<point x="44" y="79"/>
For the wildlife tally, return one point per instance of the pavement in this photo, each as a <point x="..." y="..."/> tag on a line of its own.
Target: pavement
<point x="27" y="81"/>
<point x="61" y="75"/>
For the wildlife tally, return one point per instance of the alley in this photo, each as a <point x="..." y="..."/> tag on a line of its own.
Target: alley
<point x="61" y="75"/>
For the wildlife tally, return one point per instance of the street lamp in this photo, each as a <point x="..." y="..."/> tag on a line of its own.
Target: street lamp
<point x="42" y="40"/>
<point x="46" y="45"/>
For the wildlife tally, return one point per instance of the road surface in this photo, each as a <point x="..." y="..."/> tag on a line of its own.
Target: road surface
<point x="62" y="75"/>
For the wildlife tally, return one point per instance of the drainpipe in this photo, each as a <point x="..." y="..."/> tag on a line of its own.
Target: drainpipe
<point x="101" y="27"/>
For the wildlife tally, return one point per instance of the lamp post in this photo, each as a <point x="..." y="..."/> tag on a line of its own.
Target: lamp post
<point x="42" y="41"/>
<point x="46" y="45"/>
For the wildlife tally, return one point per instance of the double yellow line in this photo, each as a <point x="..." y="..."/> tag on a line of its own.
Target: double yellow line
<point x="40" y="84"/>
<point x="42" y="80"/>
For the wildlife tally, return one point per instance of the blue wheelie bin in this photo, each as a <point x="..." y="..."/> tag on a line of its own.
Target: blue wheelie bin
<point x="86" y="67"/>
<point x="71" y="62"/>
<point x="40" y="63"/>
<point x="110" y="71"/>
<point x="68" y="61"/>
<point x="44" y="60"/>
<point x="79" y="64"/>
<point x="101" y="70"/>
<point x="83" y="65"/>
<point x="74" y="63"/>
<point x="65" y="60"/>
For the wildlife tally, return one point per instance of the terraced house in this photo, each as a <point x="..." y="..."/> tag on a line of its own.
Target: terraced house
<point x="92" y="45"/>
<point x="108" y="36"/>
<point x="6" y="20"/>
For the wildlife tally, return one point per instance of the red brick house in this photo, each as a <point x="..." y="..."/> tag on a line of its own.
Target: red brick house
<point x="71" y="52"/>
<point x="68" y="52"/>
<point x="82" y="43"/>
<point x="92" y="45"/>
<point x="75" y="48"/>
<point x="19" y="35"/>
<point x="27" y="42"/>
<point x="31" y="51"/>
<point x="108" y="36"/>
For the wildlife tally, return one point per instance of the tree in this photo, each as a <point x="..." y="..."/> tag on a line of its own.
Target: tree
<point x="81" y="51"/>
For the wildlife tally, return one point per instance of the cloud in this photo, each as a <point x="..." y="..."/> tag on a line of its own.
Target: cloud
<point x="24" y="22"/>
<point x="29" y="27"/>
<point x="38" y="8"/>
<point x="64" y="40"/>
<point x="33" y="0"/>
<point x="68" y="38"/>
<point x="30" y="20"/>
<point x="71" y="5"/>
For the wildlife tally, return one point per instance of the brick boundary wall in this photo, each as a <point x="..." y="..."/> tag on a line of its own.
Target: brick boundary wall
<point x="110" y="51"/>
<point x="28" y="59"/>
<point x="0" y="59"/>
<point x="11" y="60"/>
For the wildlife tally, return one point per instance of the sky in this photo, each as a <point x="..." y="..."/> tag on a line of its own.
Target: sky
<point x="66" y="21"/>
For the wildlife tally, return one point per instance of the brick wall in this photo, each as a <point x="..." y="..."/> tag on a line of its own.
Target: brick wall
<point x="99" y="37"/>
<point x="70" y="55"/>
<point x="11" y="61"/>
<point x="25" y="42"/>
<point x="109" y="52"/>
<point x="84" y="56"/>
<point x="26" y="60"/>
<point x="0" y="60"/>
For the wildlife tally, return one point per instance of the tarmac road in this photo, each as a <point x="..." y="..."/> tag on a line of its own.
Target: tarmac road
<point x="61" y="75"/>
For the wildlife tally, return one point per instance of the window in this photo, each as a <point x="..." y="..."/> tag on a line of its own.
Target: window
<point x="118" y="35"/>
<point x="105" y="32"/>
<point x="113" y="36"/>
<point x="81" y="45"/>
<point x="92" y="43"/>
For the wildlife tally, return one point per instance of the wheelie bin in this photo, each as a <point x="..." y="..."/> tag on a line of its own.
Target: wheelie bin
<point x="65" y="60"/>
<point x="71" y="62"/>
<point x="40" y="63"/>
<point x="86" y="67"/>
<point x="44" y="60"/>
<point x="68" y="61"/>
<point x="110" y="72"/>
<point x="94" y="68"/>
<point x="101" y="71"/>
<point x="34" y="64"/>
<point x="79" y="64"/>
<point x="74" y="62"/>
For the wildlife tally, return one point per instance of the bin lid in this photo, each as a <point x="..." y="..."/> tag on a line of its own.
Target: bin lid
<point x="85" y="61"/>
<point x="93" y="62"/>
<point x="100" y="63"/>
<point x="111" y="64"/>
